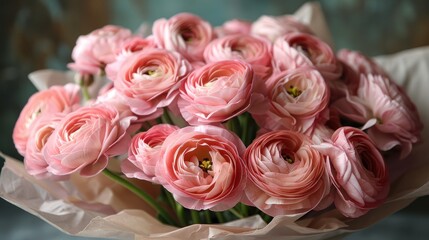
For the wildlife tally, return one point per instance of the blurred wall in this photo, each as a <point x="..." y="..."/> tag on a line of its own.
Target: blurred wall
<point x="37" y="34"/>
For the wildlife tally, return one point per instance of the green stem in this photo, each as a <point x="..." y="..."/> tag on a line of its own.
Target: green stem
<point x="195" y="217"/>
<point x="234" y="125"/>
<point x="244" y="210"/>
<point x="244" y="124"/>
<point x="85" y="93"/>
<point x="166" y="117"/>
<point x="207" y="216"/>
<point x="180" y="211"/>
<point x="143" y="195"/>
<point x="220" y="217"/>
<point x="236" y="213"/>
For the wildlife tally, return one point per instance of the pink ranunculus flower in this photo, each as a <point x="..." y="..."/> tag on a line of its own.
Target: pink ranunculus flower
<point x="202" y="167"/>
<point x="357" y="170"/>
<point x="216" y="92"/>
<point x="359" y="62"/>
<point x="253" y="50"/>
<point x="385" y="111"/>
<point x="85" y="139"/>
<point x="93" y="51"/>
<point x="286" y="174"/>
<point x="272" y="27"/>
<point x="347" y="83"/>
<point x="34" y="161"/>
<point x="144" y="152"/>
<point x="234" y="26"/>
<point x="294" y="100"/>
<point x="150" y="80"/>
<point x="185" y="33"/>
<point x="294" y="50"/>
<point x="56" y="99"/>
<point x="129" y="46"/>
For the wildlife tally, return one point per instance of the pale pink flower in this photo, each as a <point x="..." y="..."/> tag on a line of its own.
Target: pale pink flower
<point x="294" y="100"/>
<point x="347" y="83"/>
<point x="202" y="167"/>
<point x="85" y="139"/>
<point x="216" y="92"/>
<point x="360" y="63"/>
<point x="357" y="171"/>
<point x="185" y="33"/>
<point x="34" y="161"/>
<point x="144" y="152"/>
<point x="286" y="174"/>
<point x="294" y="50"/>
<point x="385" y="111"/>
<point x="150" y="80"/>
<point x="93" y="51"/>
<point x="253" y="50"/>
<point x="53" y="100"/>
<point x="234" y="26"/>
<point x="272" y="27"/>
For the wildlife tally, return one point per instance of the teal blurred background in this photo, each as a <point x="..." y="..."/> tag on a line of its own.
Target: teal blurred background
<point x="37" y="34"/>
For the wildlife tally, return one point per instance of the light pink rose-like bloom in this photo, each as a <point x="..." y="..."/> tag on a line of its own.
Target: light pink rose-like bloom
<point x="357" y="171"/>
<point x="272" y="27"/>
<point x="347" y="83"/>
<point x="216" y="92"/>
<point x="202" y="167"/>
<point x="294" y="100"/>
<point x="85" y="139"/>
<point x="385" y="111"/>
<point x="34" y="161"/>
<point x="144" y="152"/>
<point x="286" y="174"/>
<point x="294" y="50"/>
<point x="93" y="51"/>
<point x="56" y="99"/>
<point x="234" y="26"/>
<point x="253" y="50"/>
<point x="150" y="80"/>
<point x="359" y="62"/>
<point x="185" y="33"/>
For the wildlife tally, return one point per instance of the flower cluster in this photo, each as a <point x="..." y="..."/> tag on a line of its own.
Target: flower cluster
<point x="261" y="114"/>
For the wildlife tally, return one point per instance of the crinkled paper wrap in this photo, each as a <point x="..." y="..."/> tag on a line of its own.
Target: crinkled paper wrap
<point x="98" y="207"/>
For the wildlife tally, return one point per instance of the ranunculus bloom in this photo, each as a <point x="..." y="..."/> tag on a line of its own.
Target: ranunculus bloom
<point x="202" y="167"/>
<point x="253" y="50"/>
<point x="150" y="80"/>
<point x="286" y="174"/>
<point x="234" y="26"/>
<point x="144" y="152"/>
<point x="34" y="161"/>
<point x="185" y="33"/>
<point x="359" y="62"/>
<point x="272" y="27"/>
<point x="357" y="171"/>
<point x="294" y="100"/>
<point x="93" y="51"/>
<point x="85" y="139"/>
<point x="53" y="100"/>
<point x="216" y="92"/>
<point x="383" y="108"/>
<point x="295" y="50"/>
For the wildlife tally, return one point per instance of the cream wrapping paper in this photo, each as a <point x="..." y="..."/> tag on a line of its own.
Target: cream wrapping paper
<point x="98" y="207"/>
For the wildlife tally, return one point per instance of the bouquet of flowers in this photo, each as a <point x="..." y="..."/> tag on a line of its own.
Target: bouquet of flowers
<point x="233" y="127"/>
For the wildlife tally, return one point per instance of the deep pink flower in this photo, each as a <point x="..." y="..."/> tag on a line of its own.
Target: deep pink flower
<point x="185" y="33"/>
<point x="144" y="152"/>
<point x="286" y="174"/>
<point x="216" y="92"/>
<point x="357" y="171"/>
<point x="56" y="99"/>
<point x="202" y="167"/>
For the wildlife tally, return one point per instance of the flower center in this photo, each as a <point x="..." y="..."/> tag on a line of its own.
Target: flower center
<point x="205" y="164"/>
<point x="293" y="91"/>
